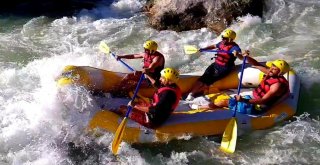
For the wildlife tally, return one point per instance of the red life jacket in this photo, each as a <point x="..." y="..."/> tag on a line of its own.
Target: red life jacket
<point x="147" y="60"/>
<point x="176" y="90"/>
<point x="225" y="58"/>
<point x="264" y="87"/>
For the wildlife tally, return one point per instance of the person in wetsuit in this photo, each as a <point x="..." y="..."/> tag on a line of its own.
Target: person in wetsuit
<point x="272" y="89"/>
<point x="153" y="63"/>
<point x="165" y="101"/>
<point x="222" y="66"/>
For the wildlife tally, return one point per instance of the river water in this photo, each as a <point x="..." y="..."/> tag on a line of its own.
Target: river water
<point x="36" y="127"/>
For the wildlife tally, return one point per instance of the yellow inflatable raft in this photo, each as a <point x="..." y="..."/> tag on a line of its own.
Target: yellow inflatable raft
<point x="186" y="121"/>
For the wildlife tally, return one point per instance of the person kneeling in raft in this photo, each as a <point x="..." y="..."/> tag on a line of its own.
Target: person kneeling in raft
<point x="165" y="101"/>
<point x="153" y="63"/>
<point x="272" y="89"/>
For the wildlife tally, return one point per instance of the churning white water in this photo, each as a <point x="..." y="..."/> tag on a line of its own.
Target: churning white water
<point x="36" y="127"/>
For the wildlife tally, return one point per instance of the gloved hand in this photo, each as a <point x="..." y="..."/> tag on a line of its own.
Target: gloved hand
<point x="137" y="73"/>
<point x="238" y="98"/>
<point x="131" y="104"/>
<point x="246" y="53"/>
<point x="118" y="57"/>
<point x="145" y="70"/>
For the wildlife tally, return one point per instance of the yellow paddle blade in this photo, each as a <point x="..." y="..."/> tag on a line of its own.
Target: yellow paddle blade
<point x="189" y="49"/>
<point x="104" y="47"/>
<point x="229" y="139"/>
<point x="118" y="136"/>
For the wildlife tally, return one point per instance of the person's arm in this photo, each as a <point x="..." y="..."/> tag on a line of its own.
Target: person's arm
<point x="138" y="107"/>
<point x="131" y="56"/>
<point x="274" y="89"/>
<point x="141" y="108"/>
<point x="208" y="48"/>
<point x="215" y="46"/>
<point x="167" y="99"/>
<point x="254" y="62"/>
<point x="236" y="51"/>
<point x="237" y="54"/>
<point x="155" y="83"/>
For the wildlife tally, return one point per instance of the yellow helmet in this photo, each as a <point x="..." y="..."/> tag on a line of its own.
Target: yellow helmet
<point x="228" y="33"/>
<point x="281" y="64"/>
<point x="170" y="74"/>
<point x="69" y="68"/>
<point x="150" y="45"/>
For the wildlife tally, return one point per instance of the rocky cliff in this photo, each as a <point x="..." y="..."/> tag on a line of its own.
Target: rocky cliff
<point x="182" y="15"/>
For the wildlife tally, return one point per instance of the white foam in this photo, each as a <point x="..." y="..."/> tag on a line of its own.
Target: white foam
<point x="35" y="124"/>
<point x="127" y="5"/>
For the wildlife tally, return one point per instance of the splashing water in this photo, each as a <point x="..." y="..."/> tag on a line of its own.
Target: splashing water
<point x="36" y="126"/>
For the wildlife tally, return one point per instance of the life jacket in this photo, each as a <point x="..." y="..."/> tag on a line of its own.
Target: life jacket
<point x="147" y="60"/>
<point x="225" y="58"/>
<point x="264" y="87"/>
<point x="176" y="90"/>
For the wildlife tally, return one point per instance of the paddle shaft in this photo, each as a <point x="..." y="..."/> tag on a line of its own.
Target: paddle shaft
<point x="214" y="51"/>
<point x="240" y="83"/>
<point x="135" y="94"/>
<point x="229" y="139"/>
<point x="125" y="64"/>
<point x="120" y="130"/>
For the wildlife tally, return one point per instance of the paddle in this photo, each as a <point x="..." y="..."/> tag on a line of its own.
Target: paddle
<point x="229" y="139"/>
<point x="120" y="130"/>
<point x="119" y="133"/>
<point x="105" y="49"/>
<point x="189" y="49"/>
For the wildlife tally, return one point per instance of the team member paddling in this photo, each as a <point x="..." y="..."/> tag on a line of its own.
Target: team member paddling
<point x="222" y="66"/>
<point x="153" y="63"/>
<point x="165" y="101"/>
<point x="273" y="88"/>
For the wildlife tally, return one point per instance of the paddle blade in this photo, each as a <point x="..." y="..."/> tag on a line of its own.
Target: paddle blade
<point x="229" y="139"/>
<point x="188" y="49"/>
<point x="118" y="136"/>
<point x="104" y="48"/>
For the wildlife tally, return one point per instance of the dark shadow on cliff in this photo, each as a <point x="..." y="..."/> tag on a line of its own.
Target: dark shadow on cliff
<point x="49" y="8"/>
<point x="192" y="18"/>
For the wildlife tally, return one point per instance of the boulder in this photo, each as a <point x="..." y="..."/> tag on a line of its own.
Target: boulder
<point x="182" y="15"/>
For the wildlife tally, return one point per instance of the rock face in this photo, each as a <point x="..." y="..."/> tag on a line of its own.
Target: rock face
<point x="182" y="15"/>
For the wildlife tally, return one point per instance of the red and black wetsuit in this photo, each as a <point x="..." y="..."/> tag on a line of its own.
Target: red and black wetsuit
<point x="165" y="101"/>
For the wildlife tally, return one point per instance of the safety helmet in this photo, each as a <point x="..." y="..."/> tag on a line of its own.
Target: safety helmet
<point x="228" y="33"/>
<point x="150" y="45"/>
<point x="69" y="68"/>
<point x="170" y="74"/>
<point x="281" y="64"/>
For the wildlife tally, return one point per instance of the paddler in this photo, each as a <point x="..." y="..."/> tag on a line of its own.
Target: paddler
<point x="272" y="89"/>
<point x="165" y="101"/>
<point x="222" y="66"/>
<point x="153" y="63"/>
